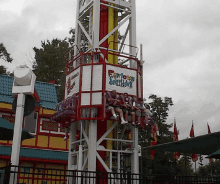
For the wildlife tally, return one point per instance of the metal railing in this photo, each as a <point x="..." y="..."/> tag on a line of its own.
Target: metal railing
<point x="31" y="175"/>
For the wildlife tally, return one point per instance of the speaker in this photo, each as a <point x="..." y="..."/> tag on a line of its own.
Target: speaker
<point x="28" y="107"/>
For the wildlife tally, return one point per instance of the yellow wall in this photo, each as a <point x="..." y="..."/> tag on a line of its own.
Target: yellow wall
<point x="47" y="111"/>
<point x="57" y="142"/>
<point x="67" y="143"/>
<point x="29" y="142"/>
<point x="6" y="106"/>
<point x="2" y="163"/>
<point x="3" y="141"/>
<point x="42" y="141"/>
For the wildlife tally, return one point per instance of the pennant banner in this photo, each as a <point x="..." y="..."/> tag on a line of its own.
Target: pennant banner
<point x="153" y="143"/>
<point x="209" y="132"/>
<point x="175" y="138"/>
<point x="194" y="156"/>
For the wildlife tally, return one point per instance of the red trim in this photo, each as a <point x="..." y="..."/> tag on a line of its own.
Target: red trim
<point x="52" y="82"/>
<point x="45" y="116"/>
<point x="23" y="159"/>
<point x="48" y="139"/>
<point x="6" y="110"/>
<point x="92" y="91"/>
<point x="37" y="98"/>
<point x="36" y="147"/>
<point x="45" y="121"/>
<point x="137" y="86"/>
<point x="51" y="134"/>
<point x="80" y="91"/>
<point x="122" y="66"/>
<point x="103" y="89"/>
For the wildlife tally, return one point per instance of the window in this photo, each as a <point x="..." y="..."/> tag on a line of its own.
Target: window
<point x="26" y="169"/>
<point x="31" y="122"/>
<point x="62" y="129"/>
<point x="50" y="126"/>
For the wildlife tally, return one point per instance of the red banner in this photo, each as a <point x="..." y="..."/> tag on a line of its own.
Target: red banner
<point x="175" y="138"/>
<point x="191" y="132"/>
<point x="194" y="156"/>
<point x="209" y="132"/>
<point x="153" y="143"/>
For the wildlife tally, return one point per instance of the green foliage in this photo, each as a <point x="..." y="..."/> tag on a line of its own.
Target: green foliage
<point x="6" y="57"/>
<point x="49" y="63"/>
<point x="184" y="165"/>
<point x="3" y="70"/>
<point x="211" y="169"/>
<point x="4" y="54"/>
<point x="163" y="163"/>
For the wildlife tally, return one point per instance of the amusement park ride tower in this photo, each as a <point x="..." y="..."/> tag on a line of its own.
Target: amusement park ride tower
<point x="99" y="63"/>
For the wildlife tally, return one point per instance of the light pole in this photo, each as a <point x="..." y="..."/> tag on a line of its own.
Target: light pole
<point x="24" y="80"/>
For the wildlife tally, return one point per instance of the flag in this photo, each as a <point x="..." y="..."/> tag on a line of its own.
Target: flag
<point x="153" y="143"/>
<point x="191" y="131"/>
<point x="194" y="156"/>
<point x="209" y="132"/>
<point x="175" y="138"/>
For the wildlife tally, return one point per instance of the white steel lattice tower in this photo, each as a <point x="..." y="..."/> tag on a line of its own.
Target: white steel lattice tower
<point x="99" y="62"/>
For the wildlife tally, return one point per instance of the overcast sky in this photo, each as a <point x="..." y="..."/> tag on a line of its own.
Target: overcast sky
<point x="181" y="41"/>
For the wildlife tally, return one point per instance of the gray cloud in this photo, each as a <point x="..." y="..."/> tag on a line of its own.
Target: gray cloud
<point x="181" y="42"/>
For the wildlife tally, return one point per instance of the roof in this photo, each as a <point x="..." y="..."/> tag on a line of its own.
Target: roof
<point x="46" y="92"/>
<point x="204" y="144"/>
<point x="36" y="153"/>
<point x="7" y="131"/>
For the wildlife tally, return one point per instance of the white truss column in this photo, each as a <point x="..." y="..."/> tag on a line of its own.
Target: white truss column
<point x="132" y="33"/>
<point x="96" y="24"/>
<point x="92" y="145"/>
<point x="135" y="158"/>
<point x="72" y="138"/>
<point x="77" y="35"/>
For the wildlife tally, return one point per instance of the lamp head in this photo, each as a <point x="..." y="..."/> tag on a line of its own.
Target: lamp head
<point x="24" y="80"/>
<point x="22" y="75"/>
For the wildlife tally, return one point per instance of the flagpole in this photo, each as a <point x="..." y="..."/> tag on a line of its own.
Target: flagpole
<point x="195" y="166"/>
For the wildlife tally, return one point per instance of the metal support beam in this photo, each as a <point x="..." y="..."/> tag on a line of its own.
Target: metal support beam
<point x="106" y="133"/>
<point x="16" y="145"/>
<point x="132" y="34"/>
<point x="115" y="29"/>
<point x="135" y="158"/>
<point x="92" y="145"/>
<point x="96" y="24"/>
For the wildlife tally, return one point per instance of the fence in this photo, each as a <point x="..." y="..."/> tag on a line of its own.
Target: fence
<point x="29" y="175"/>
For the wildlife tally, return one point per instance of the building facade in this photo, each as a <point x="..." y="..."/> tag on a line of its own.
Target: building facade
<point x="48" y="149"/>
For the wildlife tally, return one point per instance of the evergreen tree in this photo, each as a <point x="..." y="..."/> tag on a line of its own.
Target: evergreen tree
<point x="4" y="54"/>
<point x="163" y="163"/>
<point x="211" y="169"/>
<point x="50" y="65"/>
<point x="3" y="70"/>
<point x="6" y="57"/>
<point x="184" y="165"/>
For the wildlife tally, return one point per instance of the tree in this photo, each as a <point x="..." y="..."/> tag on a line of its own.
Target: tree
<point x="211" y="169"/>
<point x="184" y="165"/>
<point x="49" y="64"/>
<point x="6" y="57"/>
<point x="163" y="163"/>
<point x="4" y="54"/>
<point x="3" y="70"/>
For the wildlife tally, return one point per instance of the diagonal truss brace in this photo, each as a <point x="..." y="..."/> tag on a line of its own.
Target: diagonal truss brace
<point x="106" y="133"/>
<point x="84" y="31"/>
<point x="115" y="29"/>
